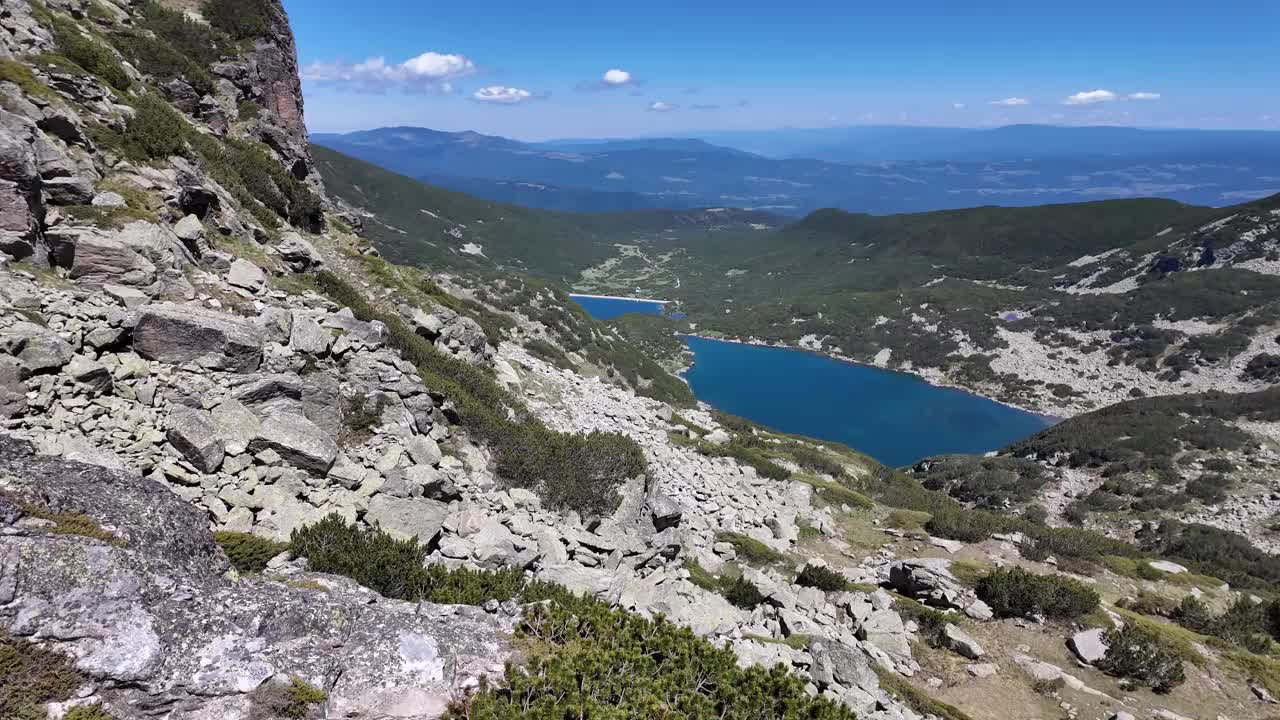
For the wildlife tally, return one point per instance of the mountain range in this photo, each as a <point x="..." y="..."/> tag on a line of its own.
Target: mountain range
<point x="872" y="170"/>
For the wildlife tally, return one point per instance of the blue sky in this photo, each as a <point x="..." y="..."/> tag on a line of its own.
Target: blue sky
<point x="542" y="70"/>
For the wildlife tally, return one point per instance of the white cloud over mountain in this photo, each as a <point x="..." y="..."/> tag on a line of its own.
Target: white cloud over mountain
<point x="428" y="72"/>
<point x="502" y="95"/>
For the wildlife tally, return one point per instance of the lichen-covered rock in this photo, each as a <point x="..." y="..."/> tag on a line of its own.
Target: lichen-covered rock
<point x="193" y="432"/>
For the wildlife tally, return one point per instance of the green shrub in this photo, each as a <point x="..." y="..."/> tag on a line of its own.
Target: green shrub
<point x="155" y="131"/>
<point x="1193" y="614"/>
<point x="596" y="662"/>
<point x="823" y="578"/>
<point x="88" y="53"/>
<point x="257" y="179"/>
<point x="162" y="61"/>
<point x="394" y="568"/>
<point x="742" y="593"/>
<point x="931" y="622"/>
<point x="1210" y="488"/>
<point x="30" y="677"/>
<point x="1142" y="657"/>
<point x="202" y="44"/>
<point x="295" y="701"/>
<point x="239" y="19"/>
<point x="750" y="549"/>
<point x="1014" y="592"/>
<point x="248" y="553"/>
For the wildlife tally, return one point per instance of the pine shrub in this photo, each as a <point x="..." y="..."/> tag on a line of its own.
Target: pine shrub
<point x="596" y="662"/>
<point x="86" y="52"/>
<point x="394" y="568"/>
<point x="823" y="578"/>
<point x="1140" y="656"/>
<point x="742" y="593"/>
<point x="155" y="131"/>
<point x="88" y="712"/>
<point x="1014" y="592"/>
<point x="248" y="553"/>
<point x="239" y="19"/>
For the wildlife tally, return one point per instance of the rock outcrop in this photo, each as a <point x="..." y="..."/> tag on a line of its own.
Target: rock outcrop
<point x="123" y="604"/>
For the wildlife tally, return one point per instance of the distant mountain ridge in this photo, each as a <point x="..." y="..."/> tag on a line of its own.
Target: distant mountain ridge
<point x="874" y="170"/>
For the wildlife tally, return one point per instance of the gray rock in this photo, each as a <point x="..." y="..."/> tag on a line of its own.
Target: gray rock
<point x="237" y="426"/>
<point x="407" y="518"/>
<point x="13" y="394"/>
<point x="297" y="253"/>
<point x="68" y="191"/>
<point x="1088" y="645"/>
<point x="131" y="298"/>
<point x="718" y="437"/>
<point x="960" y="642"/>
<point x="195" y="435"/>
<point x="298" y="441"/>
<point x="192" y="334"/>
<point x="90" y="373"/>
<point x="424" y="450"/>
<point x="308" y="337"/>
<point x="276" y="324"/>
<point x="982" y="670"/>
<point x="1166" y="566"/>
<point x="665" y="512"/>
<point x="246" y="275"/>
<point x="96" y="258"/>
<point x="109" y="200"/>
<point x="36" y="348"/>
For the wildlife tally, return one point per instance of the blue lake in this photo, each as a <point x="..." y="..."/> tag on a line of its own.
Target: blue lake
<point x="607" y="308"/>
<point x="894" y="417"/>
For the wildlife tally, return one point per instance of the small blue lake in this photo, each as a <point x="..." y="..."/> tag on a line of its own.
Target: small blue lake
<point x="607" y="308"/>
<point x="894" y="417"/>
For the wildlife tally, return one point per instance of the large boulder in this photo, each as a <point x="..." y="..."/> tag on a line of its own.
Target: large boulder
<point x="175" y="333"/>
<point x="13" y="393"/>
<point x="193" y="432"/>
<point x="405" y="518"/>
<point x="298" y="441"/>
<point x="961" y="642"/>
<point x="1089" y="645"/>
<point x="36" y="348"/>
<point x="299" y="254"/>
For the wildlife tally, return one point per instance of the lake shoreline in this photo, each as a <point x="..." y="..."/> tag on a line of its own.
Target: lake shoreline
<point x="619" y="297"/>
<point x="1054" y="419"/>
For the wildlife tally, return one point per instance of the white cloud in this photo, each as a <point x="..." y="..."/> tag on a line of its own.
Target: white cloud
<point x="1011" y="101"/>
<point x="661" y="106"/>
<point x="502" y="95"/>
<point x="616" y="78"/>
<point x="1089" y="97"/>
<point x="958" y="106"/>
<point x="430" y="71"/>
<point x="1144" y="96"/>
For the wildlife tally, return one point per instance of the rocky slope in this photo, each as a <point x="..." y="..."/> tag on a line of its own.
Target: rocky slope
<point x="178" y="357"/>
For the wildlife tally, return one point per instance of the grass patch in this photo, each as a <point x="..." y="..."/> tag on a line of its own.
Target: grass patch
<point x="1179" y="640"/>
<point x="750" y="550"/>
<point x="360" y="414"/>
<point x="1264" y="670"/>
<point x="19" y="73"/>
<point x="31" y="676"/>
<point x="70" y="523"/>
<point x="88" y="712"/>
<point x="914" y="697"/>
<point x="248" y="553"/>
<point x="835" y="494"/>
<point x="970" y="572"/>
<point x="907" y="520"/>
